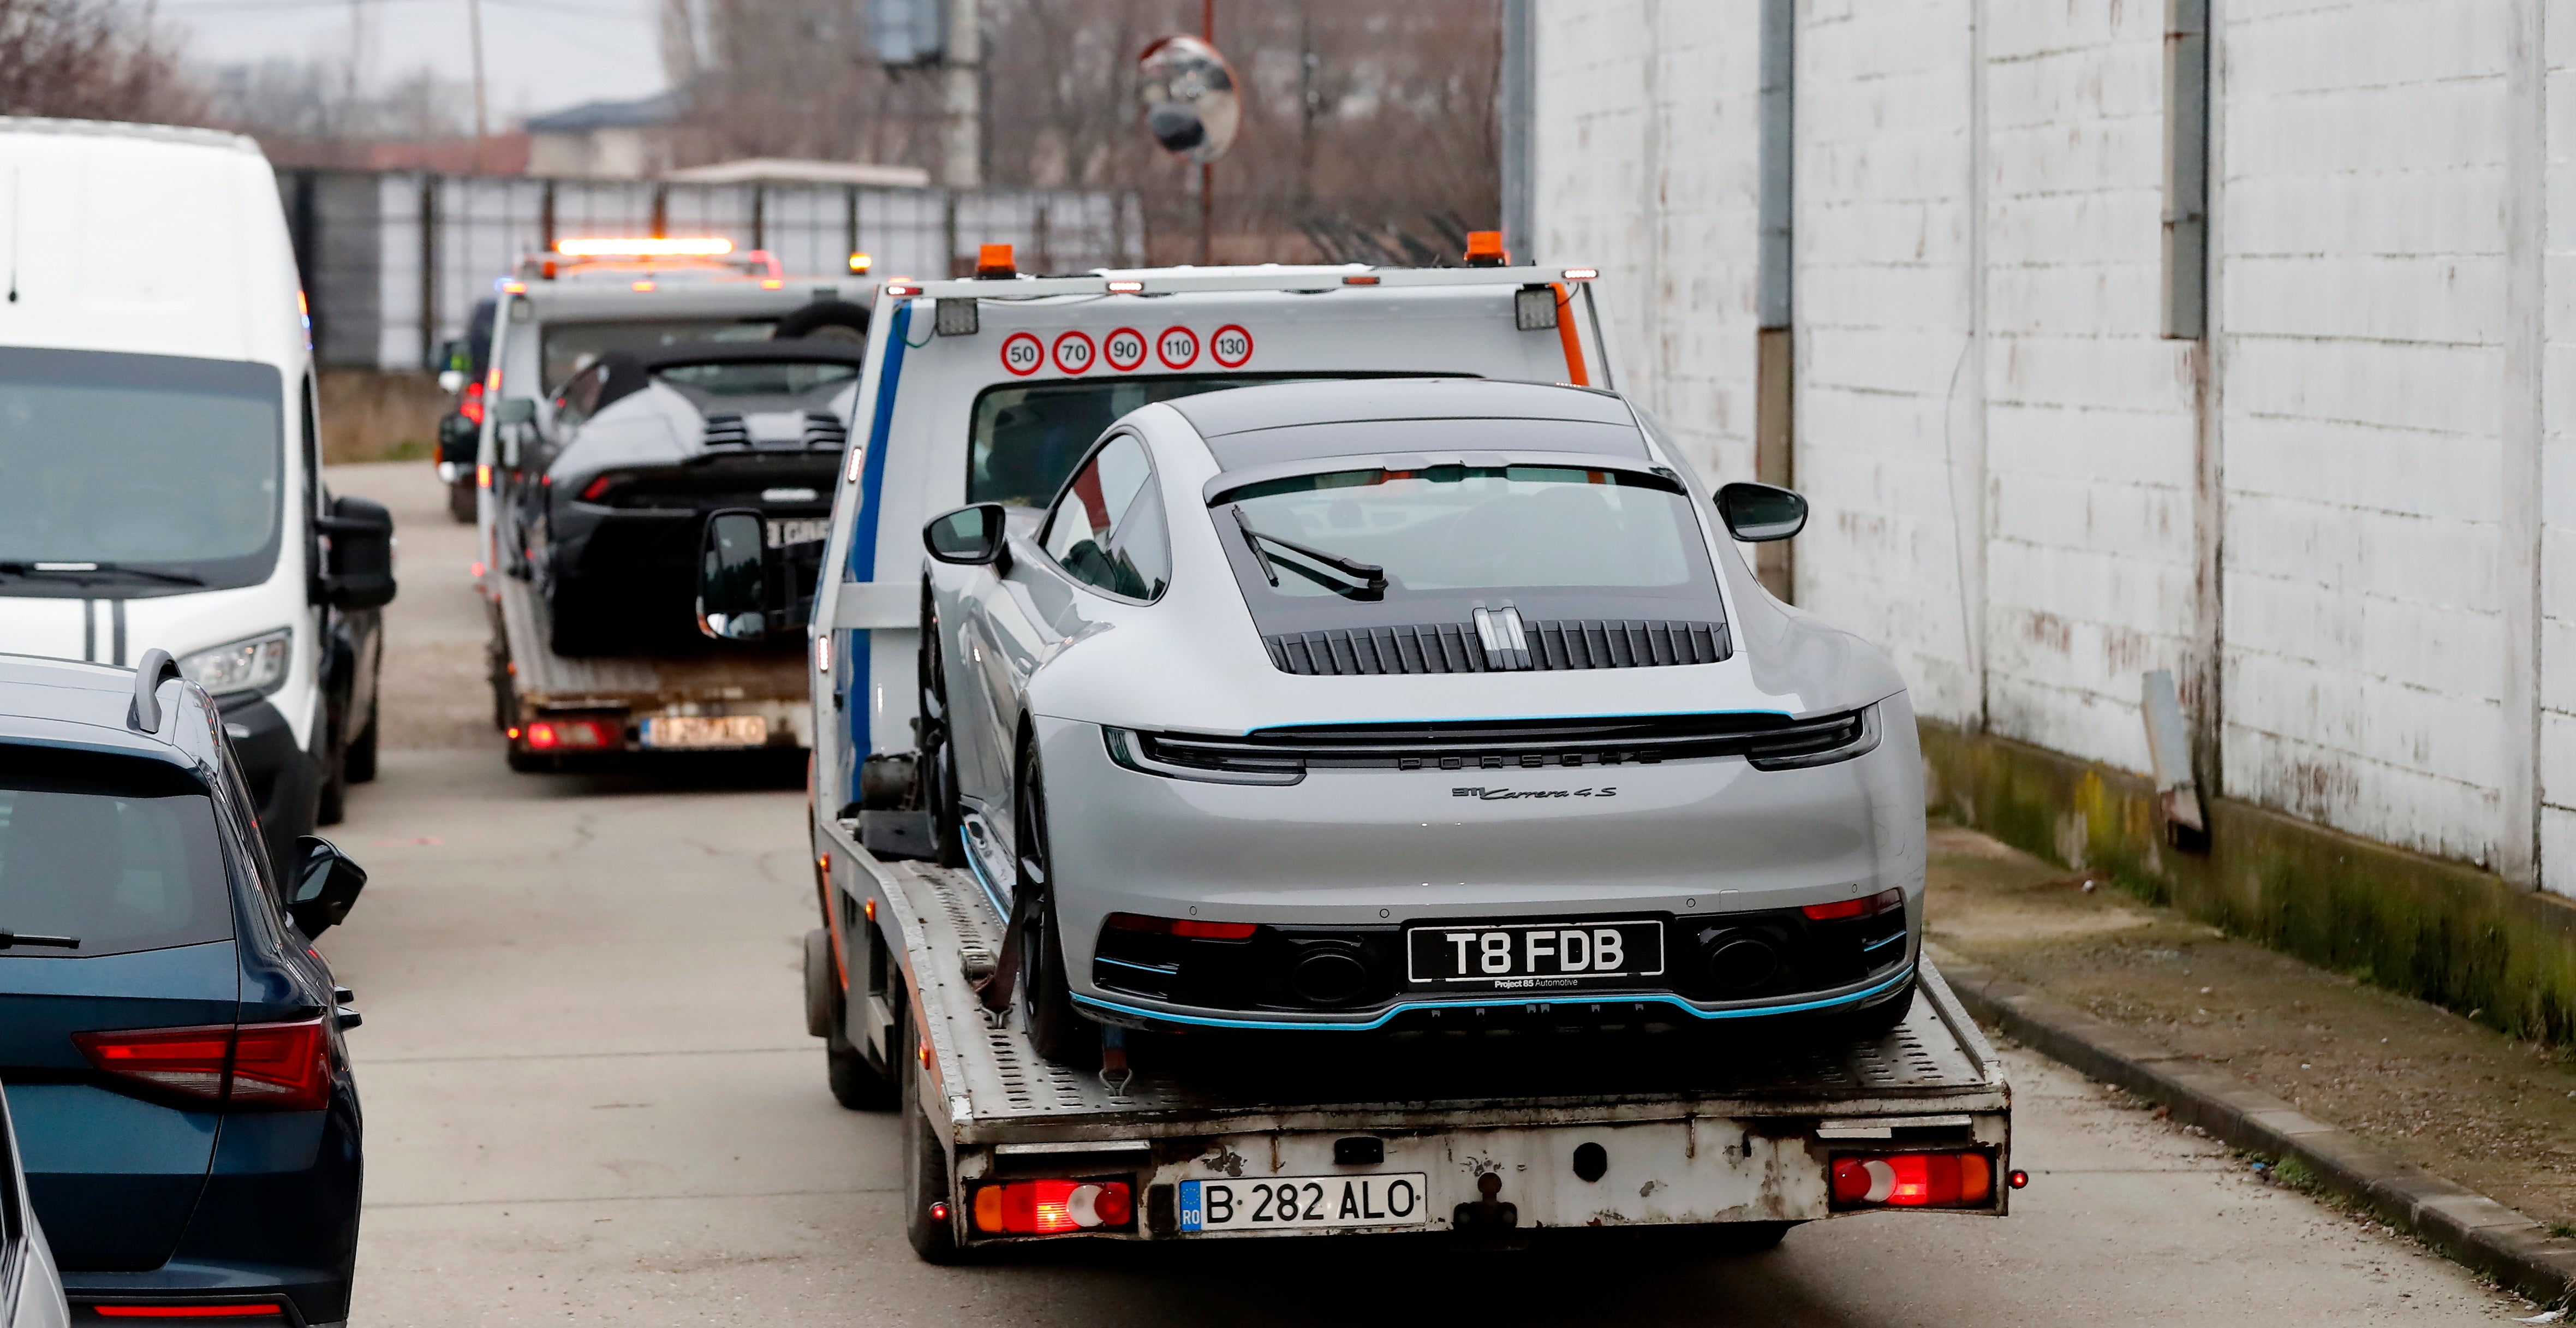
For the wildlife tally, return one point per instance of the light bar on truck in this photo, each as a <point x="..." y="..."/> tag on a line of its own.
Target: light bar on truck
<point x="645" y="246"/>
<point x="860" y="263"/>
<point x="1583" y="274"/>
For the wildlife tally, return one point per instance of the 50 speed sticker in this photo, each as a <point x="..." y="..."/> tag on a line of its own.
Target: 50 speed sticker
<point x="1178" y="347"/>
<point x="1072" y="352"/>
<point x="1124" y="349"/>
<point x="1023" y="354"/>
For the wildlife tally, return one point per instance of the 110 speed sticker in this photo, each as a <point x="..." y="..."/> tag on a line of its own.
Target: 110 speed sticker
<point x="1126" y="350"/>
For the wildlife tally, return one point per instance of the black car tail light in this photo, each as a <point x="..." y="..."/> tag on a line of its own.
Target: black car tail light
<point x="270" y="1067"/>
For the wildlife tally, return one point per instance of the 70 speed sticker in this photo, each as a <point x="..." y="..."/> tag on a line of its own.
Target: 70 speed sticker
<point x="1125" y="350"/>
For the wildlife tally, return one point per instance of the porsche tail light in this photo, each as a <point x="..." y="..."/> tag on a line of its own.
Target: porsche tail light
<point x="1885" y="901"/>
<point x="1913" y="1180"/>
<point x="274" y="1067"/>
<point x="1192" y="927"/>
<point x="1053" y="1207"/>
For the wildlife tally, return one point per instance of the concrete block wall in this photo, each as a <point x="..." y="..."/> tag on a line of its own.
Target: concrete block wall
<point x="2007" y="460"/>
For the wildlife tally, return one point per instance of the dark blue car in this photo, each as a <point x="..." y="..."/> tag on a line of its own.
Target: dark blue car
<point x="169" y="1040"/>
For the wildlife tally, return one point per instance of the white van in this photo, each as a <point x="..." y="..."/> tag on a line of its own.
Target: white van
<point x="160" y="477"/>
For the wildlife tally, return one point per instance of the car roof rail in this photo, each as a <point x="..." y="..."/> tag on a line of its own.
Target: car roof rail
<point x="157" y="668"/>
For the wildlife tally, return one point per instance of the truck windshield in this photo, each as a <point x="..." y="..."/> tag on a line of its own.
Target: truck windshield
<point x="1558" y="541"/>
<point x="1027" y="439"/>
<point x="116" y="862"/>
<point x="155" y="463"/>
<point x="569" y="348"/>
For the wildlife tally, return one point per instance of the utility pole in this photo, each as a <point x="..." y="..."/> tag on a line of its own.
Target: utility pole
<point x="1207" y="169"/>
<point x="474" y="20"/>
<point x="961" y="80"/>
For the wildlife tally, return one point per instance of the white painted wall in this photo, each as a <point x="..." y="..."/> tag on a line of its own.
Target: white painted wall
<point x="2002" y="451"/>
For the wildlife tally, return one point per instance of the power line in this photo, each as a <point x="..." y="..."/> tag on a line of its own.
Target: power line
<point x="251" y="6"/>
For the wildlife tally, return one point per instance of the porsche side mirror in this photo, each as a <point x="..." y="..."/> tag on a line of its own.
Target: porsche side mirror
<point x="969" y="536"/>
<point x="1758" y="513"/>
<point x="733" y="577"/>
<point x="327" y="883"/>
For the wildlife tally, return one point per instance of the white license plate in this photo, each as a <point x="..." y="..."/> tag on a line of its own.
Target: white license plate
<point x="1534" y="956"/>
<point x="1306" y="1203"/>
<point x="784" y="531"/>
<point x="706" y="731"/>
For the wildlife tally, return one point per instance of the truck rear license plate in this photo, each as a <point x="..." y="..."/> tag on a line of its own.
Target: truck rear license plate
<point x="706" y="731"/>
<point x="1534" y="956"/>
<point x="1306" y="1203"/>
<point x="784" y="531"/>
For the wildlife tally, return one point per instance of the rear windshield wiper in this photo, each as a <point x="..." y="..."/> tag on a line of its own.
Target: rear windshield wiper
<point x="1368" y="574"/>
<point x="85" y="570"/>
<point x="10" y="938"/>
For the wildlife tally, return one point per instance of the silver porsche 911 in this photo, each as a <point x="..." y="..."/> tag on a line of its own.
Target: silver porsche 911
<point x="1413" y="704"/>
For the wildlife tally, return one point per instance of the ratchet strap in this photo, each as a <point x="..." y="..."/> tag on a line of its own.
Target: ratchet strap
<point x="993" y="990"/>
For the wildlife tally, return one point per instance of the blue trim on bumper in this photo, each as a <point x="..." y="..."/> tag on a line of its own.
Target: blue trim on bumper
<point x="1674" y="1001"/>
<point x="976" y="865"/>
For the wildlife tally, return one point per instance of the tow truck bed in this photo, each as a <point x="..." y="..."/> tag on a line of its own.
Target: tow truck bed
<point x="1745" y="1134"/>
<point x="531" y="682"/>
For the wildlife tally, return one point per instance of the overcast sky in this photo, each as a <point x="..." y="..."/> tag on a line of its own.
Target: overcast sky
<point x="539" y="55"/>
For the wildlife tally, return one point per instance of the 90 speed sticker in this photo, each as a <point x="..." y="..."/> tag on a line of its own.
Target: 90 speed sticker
<point x="1124" y="349"/>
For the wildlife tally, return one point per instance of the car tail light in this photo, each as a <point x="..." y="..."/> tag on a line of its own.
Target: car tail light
<point x="259" y="1309"/>
<point x="1883" y="902"/>
<point x="1913" y="1180"/>
<point x="590" y="492"/>
<point x="1053" y="1207"/>
<point x="548" y="735"/>
<point x="275" y="1067"/>
<point x="1209" y="931"/>
<point x="472" y="407"/>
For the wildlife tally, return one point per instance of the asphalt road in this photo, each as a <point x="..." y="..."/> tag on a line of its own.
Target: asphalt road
<point x="590" y="1099"/>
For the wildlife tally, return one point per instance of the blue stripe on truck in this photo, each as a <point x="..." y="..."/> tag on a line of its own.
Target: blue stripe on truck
<point x="863" y="544"/>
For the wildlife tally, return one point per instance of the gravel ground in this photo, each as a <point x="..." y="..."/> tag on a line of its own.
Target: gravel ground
<point x="2452" y="1096"/>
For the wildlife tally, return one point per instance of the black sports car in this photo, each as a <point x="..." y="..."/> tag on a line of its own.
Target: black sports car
<point x="648" y="444"/>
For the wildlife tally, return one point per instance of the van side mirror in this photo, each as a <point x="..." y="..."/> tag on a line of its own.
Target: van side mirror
<point x="733" y="577"/>
<point x="969" y="536"/>
<point x="358" y="573"/>
<point x="1758" y="513"/>
<point x="327" y="882"/>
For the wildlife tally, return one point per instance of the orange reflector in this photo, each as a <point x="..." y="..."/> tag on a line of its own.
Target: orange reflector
<point x="869" y="908"/>
<point x="1485" y="249"/>
<point x="772" y="283"/>
<point x="1913" y="1180"/>
<point x="994" y="260"/>
<point x="1359" y="281"/>
<point x="644" y="285"/>
<point x="1052" y="1207"/>
<point x="482" y="475"/>
<point x="513" y="288"/>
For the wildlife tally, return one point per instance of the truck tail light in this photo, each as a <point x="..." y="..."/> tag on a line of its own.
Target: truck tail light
<point x="274" y="1067"/>
<point x="1053" y="1207"/>
<point x="1882" y="902"/>
<point x="548" y="735"/>
<point x="1208" y="931"/>
<point x="1913" y="1180"/>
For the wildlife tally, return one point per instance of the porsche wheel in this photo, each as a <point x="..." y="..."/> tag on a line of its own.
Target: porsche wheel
<point x="938" y="770"/>
<point x="1059" y="1031"/>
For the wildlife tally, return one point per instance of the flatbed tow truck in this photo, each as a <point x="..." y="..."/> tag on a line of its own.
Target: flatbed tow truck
<point x="1460" y="1131"/>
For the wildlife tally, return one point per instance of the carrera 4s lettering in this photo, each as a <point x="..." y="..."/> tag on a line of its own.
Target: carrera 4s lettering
<point x="1505" y="795"/>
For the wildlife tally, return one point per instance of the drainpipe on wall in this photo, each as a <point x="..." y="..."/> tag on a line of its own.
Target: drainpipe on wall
<point x="1774" y="371"/>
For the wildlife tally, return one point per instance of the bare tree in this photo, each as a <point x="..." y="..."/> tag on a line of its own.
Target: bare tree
<point x="90" y="60"/>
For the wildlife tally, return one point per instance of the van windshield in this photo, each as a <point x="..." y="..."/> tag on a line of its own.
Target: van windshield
<point x="117" y="864"/>
<point x="148" y="472"/>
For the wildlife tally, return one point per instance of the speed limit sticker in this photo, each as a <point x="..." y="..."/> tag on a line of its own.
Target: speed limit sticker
<point x="1124" y="349"/>
<point x="1230" y="345"/>
<point x="1178" y="347"/>
<point x="1072" y="352"/>
<point x="1023" y="354"/>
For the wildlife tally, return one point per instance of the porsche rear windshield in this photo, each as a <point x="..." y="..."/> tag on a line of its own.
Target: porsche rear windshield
<point x="1561" y="541"/>
<point x="756" y="379"/>
<point x="148" y="471"/>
